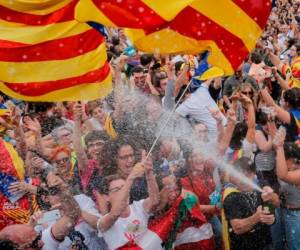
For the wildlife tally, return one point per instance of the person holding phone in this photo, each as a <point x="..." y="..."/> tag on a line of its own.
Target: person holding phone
<point x="23" y="236"/>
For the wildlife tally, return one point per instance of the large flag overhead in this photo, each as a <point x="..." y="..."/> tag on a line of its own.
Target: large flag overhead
<point x="46" y="55"/>
<point x="227" y="28"/>
<point x="137" y="14"/>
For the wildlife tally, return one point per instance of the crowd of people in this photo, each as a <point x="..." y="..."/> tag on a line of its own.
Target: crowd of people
<point x="176" y="157"/>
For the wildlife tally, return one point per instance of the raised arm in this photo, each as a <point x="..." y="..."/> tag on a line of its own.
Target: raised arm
<point x="181" y="80"/>
<point x="70" y="208"/>
<point x="105" y="222"/>
<point x="262" y="143"/>
<point x="153" y="200"/>
<point x="228" y="132"/>
<point x="281" y="114"/>
<point x="251" y="118"/>
<point x="282" y="171"/>
<point x="82" y="158"/>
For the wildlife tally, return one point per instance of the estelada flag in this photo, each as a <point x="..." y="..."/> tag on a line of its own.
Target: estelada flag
<point x="229" y="29"/>
<point x="12" y="167"/>
<point x="46" y="55"/>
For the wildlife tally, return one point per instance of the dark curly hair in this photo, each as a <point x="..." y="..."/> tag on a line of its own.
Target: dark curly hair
<point x="110" y="153"/>
<point x="292" y="151"/>
<point x="292" y="97"/>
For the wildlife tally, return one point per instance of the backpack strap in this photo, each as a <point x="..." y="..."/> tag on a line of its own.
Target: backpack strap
<point x="226" y="238"/>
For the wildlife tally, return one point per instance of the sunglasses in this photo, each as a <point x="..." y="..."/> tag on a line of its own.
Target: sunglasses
<point x="63" y="160"/>
<point x="247" y="93"/>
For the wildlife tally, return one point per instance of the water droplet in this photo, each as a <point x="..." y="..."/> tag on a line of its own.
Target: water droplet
<point x="141" y="9"/>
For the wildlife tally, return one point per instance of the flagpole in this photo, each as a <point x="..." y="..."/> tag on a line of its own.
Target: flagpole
<point x="168" y="119"/>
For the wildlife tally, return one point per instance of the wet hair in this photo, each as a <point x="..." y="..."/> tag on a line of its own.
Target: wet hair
<point x="297" y="46"/>
<point x="245" y="164"/>
<point x="103" y="188"/>
<point x="56" y="131"/>
<point x="94" y="136"/>
<point x="261" y="118"/>
<point x="58" y="150"/>
<point x="256" y="57"/>
<point x="158" y="76"/>
<point x="239" y="133"/>
<point x="137" y="69"/>
<point x="110" y="153"/>
<point x="146" y="59"/>
<point x="178" y="66"/>
<point x="292" y="151"/>
<point x="292" y="97"/>
<point x="6" y="244"/>
<point x="39" y="107"/>
<point x="162" y="175"/>
<point x="51" y="123"/>
<point x="92" y="105"/>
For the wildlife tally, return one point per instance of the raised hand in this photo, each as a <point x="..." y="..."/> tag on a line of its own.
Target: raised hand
<point x="137" y="171"/>
<point x="78" y="111"/>
<point x="279" y="138"/>
<point x="32" y="124"/>
<point x="267" y="193"/>
<point x="231" y="116"/>
<point x="19" y="187"/>
<point x="34" y="218"/>
<point x="147" y="162"/>
<point x="245" y="100"/>
<point x="216" y="114"/>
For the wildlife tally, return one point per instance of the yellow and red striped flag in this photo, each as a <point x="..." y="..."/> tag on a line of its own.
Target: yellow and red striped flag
<point x="46" y="55"/>
<point x="229" y="29"/>
<point x="137" y="14"/>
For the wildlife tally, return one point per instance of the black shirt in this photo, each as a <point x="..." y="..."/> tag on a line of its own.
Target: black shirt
<point x="241" y="206"/>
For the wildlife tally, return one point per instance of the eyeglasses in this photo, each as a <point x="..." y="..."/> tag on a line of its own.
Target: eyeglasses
<point x="126" y="157"/>
<point x="65" y="135"/>
<point x="96" y="144"/>
<point x="62" y="161"/>
<point x="115" y="189"/>
<point x="247" y="93"/>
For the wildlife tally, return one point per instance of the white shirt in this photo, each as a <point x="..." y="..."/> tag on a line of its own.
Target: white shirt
<point x="127" y="229"/>
<point x="197" y="107"/>
<point x="92" y="241"/>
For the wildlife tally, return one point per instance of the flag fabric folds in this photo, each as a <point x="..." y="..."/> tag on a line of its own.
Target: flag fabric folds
<point x="46" y="55"/>
<point x="229" y="29"/>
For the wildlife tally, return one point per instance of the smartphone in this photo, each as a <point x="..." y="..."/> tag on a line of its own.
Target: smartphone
<point x="49" y="216"/>
<point x="5" y="182"/>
